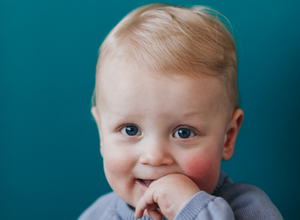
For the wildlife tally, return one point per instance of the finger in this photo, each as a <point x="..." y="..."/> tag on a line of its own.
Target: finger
<point x="151" y="207"/>
<point x="138" y="213"/>
<point x="143" y="206"/>
<point x="158" y="209"/>
<point x="139" y="209"/>
<point x="153" y="214"/>
<point x="145" y="201"/>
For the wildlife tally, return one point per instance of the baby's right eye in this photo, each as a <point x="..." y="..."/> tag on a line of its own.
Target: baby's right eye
<point x="131" y="130"/>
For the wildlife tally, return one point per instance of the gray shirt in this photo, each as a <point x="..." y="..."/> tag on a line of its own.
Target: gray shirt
<point x="228" y="201"/>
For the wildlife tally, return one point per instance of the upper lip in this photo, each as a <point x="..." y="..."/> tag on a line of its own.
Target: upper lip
<point x="146" y="179"/>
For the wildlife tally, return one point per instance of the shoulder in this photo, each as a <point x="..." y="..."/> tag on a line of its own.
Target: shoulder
<point x="103" y="208"/>
<point x="248" y="202"/>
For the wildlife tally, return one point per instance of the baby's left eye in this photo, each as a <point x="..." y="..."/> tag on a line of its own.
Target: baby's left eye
<point x="184" y="133"/>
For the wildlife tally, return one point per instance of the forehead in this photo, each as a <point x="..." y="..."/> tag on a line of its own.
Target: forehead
<point x="124" y="83"/>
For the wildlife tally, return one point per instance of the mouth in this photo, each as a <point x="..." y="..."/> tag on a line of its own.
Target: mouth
<point x="144" y="182"/>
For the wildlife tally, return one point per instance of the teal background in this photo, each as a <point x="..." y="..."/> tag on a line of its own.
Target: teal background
<point x="50" y="166"/>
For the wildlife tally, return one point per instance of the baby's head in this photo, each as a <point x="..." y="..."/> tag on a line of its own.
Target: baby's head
<point x="166" y="98"/>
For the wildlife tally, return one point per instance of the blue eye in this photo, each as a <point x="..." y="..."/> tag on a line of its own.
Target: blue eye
<point x="130" y="130"/>
<point x="184" y="133"/>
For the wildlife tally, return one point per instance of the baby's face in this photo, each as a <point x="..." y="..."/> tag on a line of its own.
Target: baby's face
<point x="151" y="127"/>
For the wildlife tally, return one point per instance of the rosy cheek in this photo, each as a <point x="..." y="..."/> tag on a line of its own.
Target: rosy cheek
<point x="202" y="170"/>
<point x="196" y="167"/>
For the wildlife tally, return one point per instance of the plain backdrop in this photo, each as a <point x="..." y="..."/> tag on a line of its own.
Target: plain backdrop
<point x="50" y="165"/>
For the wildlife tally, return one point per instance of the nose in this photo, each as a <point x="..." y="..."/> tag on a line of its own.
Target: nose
<point x="156" y="155"/>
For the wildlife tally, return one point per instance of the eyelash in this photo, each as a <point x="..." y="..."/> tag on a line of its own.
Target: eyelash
<point x="125" y="126"/>
<point x="192" y="130"/>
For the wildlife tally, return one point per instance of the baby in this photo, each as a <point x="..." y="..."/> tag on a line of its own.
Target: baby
<point x="166" y="106"/>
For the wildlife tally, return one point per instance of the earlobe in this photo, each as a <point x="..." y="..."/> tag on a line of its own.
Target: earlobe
<point x="231" y="134"/>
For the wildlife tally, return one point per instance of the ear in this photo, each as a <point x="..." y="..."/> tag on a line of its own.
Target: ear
<point x="231" y="133"/>
<point x="95" y="114"/>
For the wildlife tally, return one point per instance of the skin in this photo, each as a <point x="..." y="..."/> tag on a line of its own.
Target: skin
<point x="158" y="106"/>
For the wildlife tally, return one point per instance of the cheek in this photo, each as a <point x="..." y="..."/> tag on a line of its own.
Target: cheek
<point x="117" y="165"/>
<point x="196" y="167"/>
<point x="118" y="172"/>
<point x="204" y="171"/>
<point x="114" y="155"/>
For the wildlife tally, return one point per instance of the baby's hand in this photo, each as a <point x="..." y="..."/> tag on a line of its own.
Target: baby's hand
<point x="166" y="197"/>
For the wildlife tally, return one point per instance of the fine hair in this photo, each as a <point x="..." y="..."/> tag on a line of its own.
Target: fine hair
<point x="172" y="39"/>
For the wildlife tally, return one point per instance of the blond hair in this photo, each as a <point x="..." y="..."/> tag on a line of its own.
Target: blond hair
<point x="175" y="39"/>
